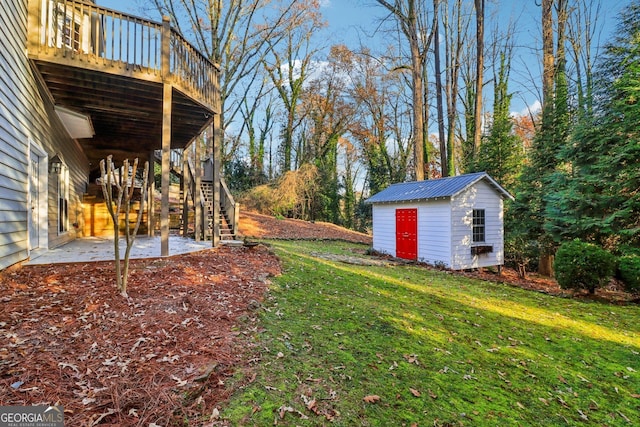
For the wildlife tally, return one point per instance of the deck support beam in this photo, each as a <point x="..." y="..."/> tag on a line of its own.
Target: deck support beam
<point x="166" y="169"/>
<point x="151" y="199"/>
<point x="215" y="135"/>
<point x="167" y="99"/>
<point x="200" y="233"/>
<point x="185" y="186"/>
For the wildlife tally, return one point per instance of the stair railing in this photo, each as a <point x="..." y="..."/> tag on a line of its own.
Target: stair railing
<point x="231" y="207"/>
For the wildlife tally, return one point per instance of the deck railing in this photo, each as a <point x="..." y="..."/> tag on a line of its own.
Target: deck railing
<point x="83" y="34"/>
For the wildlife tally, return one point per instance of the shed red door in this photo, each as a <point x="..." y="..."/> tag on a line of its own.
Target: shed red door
<point x="407" y="233"/>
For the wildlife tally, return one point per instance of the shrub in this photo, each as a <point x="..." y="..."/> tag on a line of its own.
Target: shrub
<point x="520" y="253"/>
<point x="581" y="265"/>
<point x="629" y="272"/>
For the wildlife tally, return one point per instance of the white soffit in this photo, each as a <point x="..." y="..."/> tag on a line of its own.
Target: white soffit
<point x="78" y="125"/>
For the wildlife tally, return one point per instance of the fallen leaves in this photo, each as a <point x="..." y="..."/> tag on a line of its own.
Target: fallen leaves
<point x="68" y="337"/>
<point x="372" y="398"/>
<point x="411" y="358"/>
<point x="288" y="409"/>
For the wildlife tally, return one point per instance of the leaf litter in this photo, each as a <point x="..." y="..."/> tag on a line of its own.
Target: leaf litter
<point x="69" y="338"/>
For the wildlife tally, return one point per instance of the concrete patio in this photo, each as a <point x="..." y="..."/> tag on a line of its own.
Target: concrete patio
<point x="90" y="249"/>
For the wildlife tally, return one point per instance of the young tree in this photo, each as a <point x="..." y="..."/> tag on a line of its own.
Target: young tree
<point x="118" y="191"/>
<point x="444" y="162"/>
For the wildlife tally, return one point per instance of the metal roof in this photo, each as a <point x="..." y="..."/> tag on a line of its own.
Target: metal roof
<point x="434" y="189"/>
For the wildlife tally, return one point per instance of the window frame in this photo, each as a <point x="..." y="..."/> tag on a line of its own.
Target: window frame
<point x="478" y="226"/>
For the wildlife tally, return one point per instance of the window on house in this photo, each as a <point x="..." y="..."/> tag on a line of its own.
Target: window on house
<point x="63" y="200"/>
<point x="478" y="232"/>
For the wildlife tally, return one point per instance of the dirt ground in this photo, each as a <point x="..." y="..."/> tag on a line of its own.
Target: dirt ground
<point x="164" y="355"/>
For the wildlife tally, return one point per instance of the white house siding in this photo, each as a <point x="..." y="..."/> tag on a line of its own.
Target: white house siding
<point x="26" y="114"/>
<point x="434" y="232"/>
<point x="479" y="196"/>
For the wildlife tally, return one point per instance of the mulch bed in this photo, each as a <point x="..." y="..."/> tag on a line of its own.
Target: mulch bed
<point x="162" y="356"/>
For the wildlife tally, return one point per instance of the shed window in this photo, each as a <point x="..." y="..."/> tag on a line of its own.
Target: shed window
<point x="478" y="232"/>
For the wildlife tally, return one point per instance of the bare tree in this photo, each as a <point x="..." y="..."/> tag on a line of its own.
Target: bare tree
<point x="288" y="65"/>
<point x="548" y="68"/>
<point x="124" y="184"/>
<point x="444" y="164"/>
<point x="236" y="34"/>
<point x="411" y="17"/>
<point x="382" y="124"/>
<point x="582" y="36"/>
<point x="479" y="6"/>
<point x="456" y="25"/>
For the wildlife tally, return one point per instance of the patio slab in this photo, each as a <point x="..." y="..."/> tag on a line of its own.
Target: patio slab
<point x="88" y="249"/>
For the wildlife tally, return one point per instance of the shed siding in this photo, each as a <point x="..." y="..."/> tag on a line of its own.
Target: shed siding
<point x="479" y="196"/>
<point x="434" y="232"/>
<point x="26" y="114"/>
<point x="384" y="226"/>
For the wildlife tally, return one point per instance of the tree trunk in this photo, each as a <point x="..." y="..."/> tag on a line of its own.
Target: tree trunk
<point x="547" y="51"/>
<point x="444" y="160"/>
<point x="545" y="265"/>
<point x="418" y="103"/>
<point x="479" y="4"/>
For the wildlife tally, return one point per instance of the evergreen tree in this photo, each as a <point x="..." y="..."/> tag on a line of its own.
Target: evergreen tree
<point x="597" y="197"/>
<point x="501" y="152"/>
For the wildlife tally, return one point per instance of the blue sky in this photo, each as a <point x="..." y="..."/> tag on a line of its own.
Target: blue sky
<point x="350" y="20"/>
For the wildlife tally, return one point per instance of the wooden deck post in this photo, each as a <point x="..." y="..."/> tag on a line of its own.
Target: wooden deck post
<point x="151" y="199"/>
<point x="35" y="28"/>
<point x="185" y="183"/>
<point x="216" y="135"/>
<point x="167" y="100"/>
<point x="198" y="193"/>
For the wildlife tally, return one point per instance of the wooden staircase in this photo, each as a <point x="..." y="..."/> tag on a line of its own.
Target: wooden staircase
<point x="228" y="217"/>
<point x="226" y="224"/>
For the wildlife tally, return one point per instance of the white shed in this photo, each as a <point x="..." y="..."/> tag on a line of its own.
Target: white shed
<point x="456" y="222"/>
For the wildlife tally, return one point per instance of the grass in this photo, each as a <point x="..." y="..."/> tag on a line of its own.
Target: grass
<point x="349" y="345"/>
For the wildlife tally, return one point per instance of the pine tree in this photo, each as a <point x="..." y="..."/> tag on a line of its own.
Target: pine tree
<point x="501" y="152"/>
<point x="597" y="194"/>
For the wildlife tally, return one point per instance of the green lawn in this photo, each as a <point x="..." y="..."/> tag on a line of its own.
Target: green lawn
<point x="348" y="345"/>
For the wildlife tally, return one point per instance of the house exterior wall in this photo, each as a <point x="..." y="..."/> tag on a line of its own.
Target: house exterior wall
<point x="478" y="196"/>
<point x="27" y="119"/>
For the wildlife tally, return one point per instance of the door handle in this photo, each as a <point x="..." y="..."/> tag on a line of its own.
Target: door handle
<point x="405" y="235"/>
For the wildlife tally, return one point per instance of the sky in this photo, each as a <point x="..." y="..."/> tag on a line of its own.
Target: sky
<point x="353" y="20"/>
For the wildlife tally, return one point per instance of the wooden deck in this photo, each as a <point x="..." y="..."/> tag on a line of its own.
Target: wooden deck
<point x="115" y="69"/>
